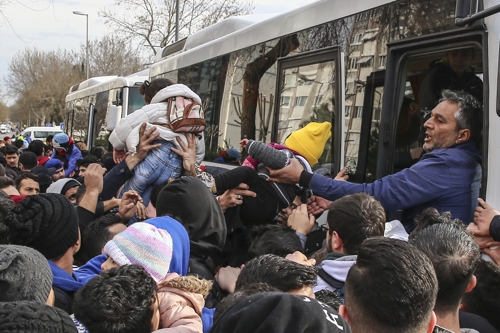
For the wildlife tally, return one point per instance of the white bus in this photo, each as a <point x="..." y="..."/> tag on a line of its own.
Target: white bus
<point x="90" y="105"/>
<point x="356" y="63"/>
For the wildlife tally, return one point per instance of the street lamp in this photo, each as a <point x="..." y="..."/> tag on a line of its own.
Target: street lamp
<point x="87" y="60"/>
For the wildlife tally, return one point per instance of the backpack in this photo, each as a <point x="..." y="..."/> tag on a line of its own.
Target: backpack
<point x="185" y="115"/>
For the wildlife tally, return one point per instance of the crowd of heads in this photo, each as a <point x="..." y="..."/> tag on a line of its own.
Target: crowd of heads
<point x="73" y="257"/>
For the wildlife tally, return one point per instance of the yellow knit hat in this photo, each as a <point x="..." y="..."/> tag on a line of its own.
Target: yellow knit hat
<point x="310" y="140"/>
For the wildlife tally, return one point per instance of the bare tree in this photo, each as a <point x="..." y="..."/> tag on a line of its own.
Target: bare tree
<point x="4" y="111"/>
<point x="152" y="22"/>
<point x="251" y="78"/>
<point x="40" y="80"/>
<point x="110" y="56"/>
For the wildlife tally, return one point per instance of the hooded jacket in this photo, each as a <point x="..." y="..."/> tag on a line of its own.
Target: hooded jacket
<point x="280" y="313"/>
<point x="180" y="241"/>
<point x="447" y="179"/>
<point x="65" y="286"/>
<point x="337" y="269"/>
<point x="41" y="160"/>
<point x="59" y="185"/>
<point x="74" y="155"/>
<point x="181" y="307"/>
<point x="126" y="134"/>
<point x="190" y="202"/>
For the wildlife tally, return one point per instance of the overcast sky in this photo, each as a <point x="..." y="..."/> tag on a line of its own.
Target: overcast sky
<point x="50" y="24"/>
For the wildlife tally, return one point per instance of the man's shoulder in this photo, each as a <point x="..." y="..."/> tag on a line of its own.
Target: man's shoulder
<point x="456" y="152"/>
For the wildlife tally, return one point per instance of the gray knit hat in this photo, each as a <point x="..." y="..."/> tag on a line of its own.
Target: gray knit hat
<point x="27" y="317"/>
<point x="25" y="275"/>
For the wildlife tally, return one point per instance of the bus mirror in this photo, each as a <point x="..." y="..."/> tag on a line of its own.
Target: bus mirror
<point x="113" y="117"/>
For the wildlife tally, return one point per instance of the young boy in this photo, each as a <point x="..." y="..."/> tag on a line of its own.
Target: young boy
<point x="306" y="144"/>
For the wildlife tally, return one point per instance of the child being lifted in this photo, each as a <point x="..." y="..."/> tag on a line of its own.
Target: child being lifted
<point x="306" y="145"/>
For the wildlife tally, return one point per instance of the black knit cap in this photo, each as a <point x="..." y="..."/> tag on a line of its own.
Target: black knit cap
<point x="27" y="317"/>
<point x="280" y="313"/>
<point x="46" y="222"/>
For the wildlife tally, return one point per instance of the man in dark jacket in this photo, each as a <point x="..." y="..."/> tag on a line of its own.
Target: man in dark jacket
<point x="12" y="167"/>
<point x="447" y="177"/>
<point x="455" y="258"/>
<point x="454" y="72"/>
<point x="351" y="220"/>
<point x="49" y="224"/>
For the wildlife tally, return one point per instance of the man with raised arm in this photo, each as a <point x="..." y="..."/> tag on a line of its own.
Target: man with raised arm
<point x="447" y="177"/>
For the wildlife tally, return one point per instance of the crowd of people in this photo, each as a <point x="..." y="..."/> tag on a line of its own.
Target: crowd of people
<point x="144" y="239"/>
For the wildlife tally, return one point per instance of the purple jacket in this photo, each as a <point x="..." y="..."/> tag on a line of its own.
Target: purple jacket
<point x="447" y="179"/>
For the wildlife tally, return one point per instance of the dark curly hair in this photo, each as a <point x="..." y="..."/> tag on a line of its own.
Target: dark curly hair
<point x="119" y="300"/>
<point x="283" y="274"/>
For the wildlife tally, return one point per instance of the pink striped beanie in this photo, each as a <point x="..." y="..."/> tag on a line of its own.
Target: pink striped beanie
<point x="145" y="245"/>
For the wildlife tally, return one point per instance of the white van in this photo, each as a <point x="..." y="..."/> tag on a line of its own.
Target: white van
<point x="40" y="133"/>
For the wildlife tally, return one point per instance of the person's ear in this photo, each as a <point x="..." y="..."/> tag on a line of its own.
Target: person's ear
<point x="337" y="242"/>
<point x="472" y="284"/>
<point x="343" y="312"/>
<point x="432" y="323"/>
<point x="463" y="136"/>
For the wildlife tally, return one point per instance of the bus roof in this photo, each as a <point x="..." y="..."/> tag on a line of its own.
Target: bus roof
<point x="104" y="83"/>
<point x="298" y="19"/>
<point x="93" y="81"/>
<point x="223" y="28"/>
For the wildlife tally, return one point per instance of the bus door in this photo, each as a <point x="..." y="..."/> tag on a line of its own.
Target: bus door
<point x="366" y="169"/>
<point x="416" y="68"/>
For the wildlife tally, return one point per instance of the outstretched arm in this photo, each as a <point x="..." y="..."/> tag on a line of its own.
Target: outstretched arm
<point x="272" y="158"/>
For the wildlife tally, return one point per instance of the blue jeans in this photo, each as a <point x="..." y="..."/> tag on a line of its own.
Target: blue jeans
<point x="159" y="165"/>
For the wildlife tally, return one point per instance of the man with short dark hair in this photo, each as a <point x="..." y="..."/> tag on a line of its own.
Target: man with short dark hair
<point x="57" y="165"/>
<point x="455" y="257"/>
<point x="273" y="239"/>
<point x="27" y="161"/>
<point x="27" y="184"/>
<point x="284" y="274"/>
<point x="84" y="163"/>
<point x="98" y="233"/>
<point x="38" y="148"/>
<point x="391" y="289"/>
<point x="447" y="177"/>
<point x="12" y="156"/>
<point x="351" y="220"/>
<point x="8" y="186"/>
<point x="48" y="140"/>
